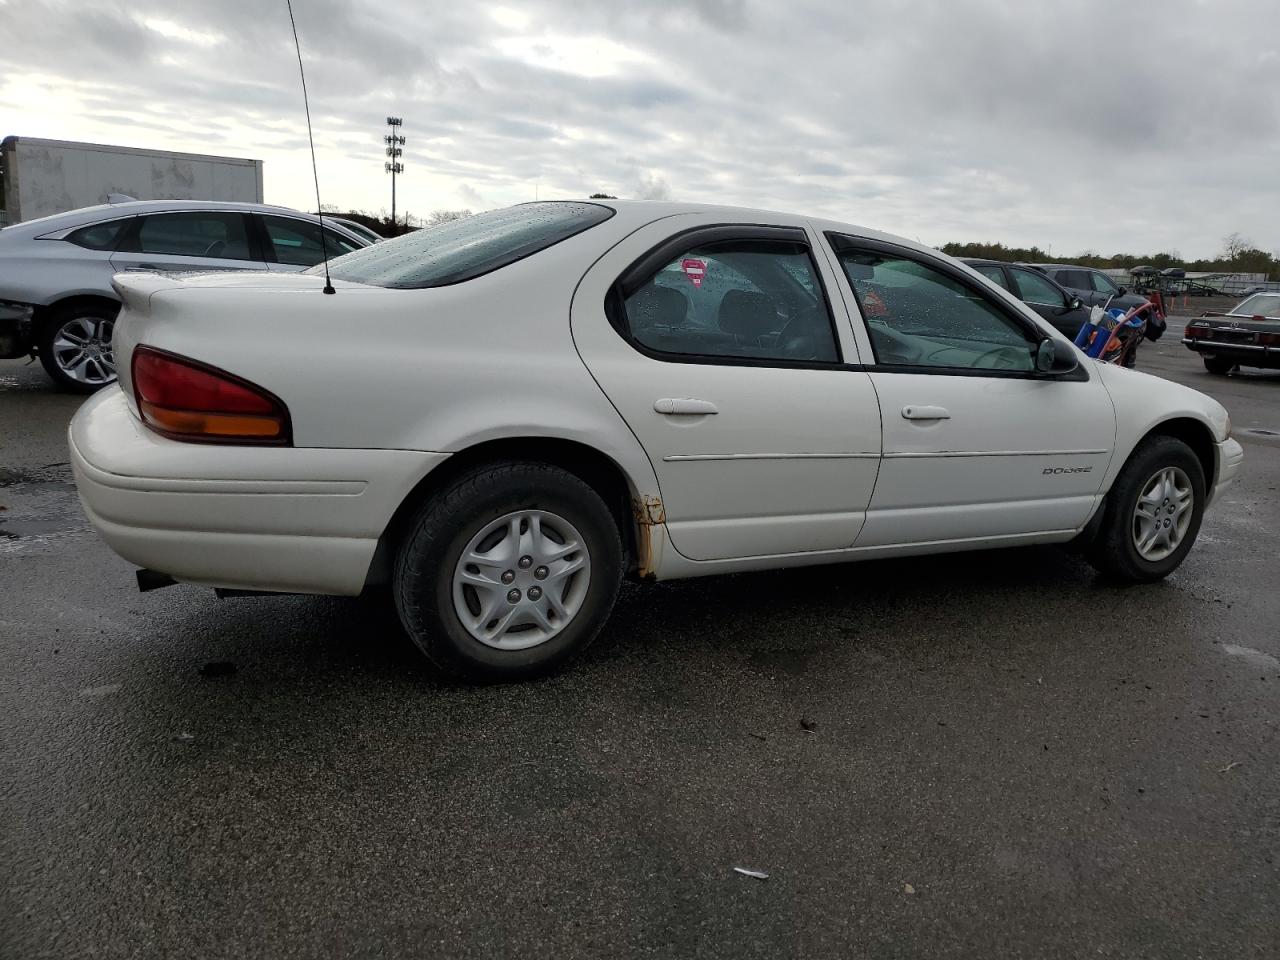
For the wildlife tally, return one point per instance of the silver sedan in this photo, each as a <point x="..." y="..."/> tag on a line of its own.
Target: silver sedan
<point x="56" y="300"/>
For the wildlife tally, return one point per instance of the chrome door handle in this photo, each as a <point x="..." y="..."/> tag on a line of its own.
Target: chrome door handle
<point x="925" y="412"/>
<point x="684" y="407"/>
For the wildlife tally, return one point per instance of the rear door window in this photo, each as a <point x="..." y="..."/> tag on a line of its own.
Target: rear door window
<point x="297" y="242"/>
<point x="211" y="235"/>
<point x="744" y="299"/>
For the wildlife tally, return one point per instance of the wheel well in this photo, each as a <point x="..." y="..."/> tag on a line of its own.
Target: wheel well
<point x="586" y="463"/>
<point x="41" y="315"/>
<point x="1195" y="435"/>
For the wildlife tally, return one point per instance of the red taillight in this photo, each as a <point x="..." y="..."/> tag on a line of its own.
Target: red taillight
<point x="187" y="400"/>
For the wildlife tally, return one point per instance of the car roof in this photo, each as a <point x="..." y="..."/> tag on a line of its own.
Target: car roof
<point x="637" y="213"/>
<point x="132" y="208"/>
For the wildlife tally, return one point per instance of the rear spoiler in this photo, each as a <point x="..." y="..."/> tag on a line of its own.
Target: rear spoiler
<point x="135" y="287"/>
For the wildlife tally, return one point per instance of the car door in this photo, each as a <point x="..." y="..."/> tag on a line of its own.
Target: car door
<point x="293" y="244"/>
<point x="189" y="240"/>
<point x="978" y="446"/>
<point x="717" y="345"/>
<point x="1103" y="286"/>
<point x="1053" y="303"/>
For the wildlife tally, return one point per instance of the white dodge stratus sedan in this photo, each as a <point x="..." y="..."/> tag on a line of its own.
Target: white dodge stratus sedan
<point x="502" y="416"/>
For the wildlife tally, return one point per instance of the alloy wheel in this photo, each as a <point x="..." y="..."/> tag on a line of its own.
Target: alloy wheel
<point x="82" y="350"/>
<point x="1163" y="513"/>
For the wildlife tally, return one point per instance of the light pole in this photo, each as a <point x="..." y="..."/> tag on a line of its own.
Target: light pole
<point x="393" y="166"/>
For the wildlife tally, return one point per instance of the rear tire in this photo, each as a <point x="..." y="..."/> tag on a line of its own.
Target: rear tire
<point x="1220" y="366"/>
<point x="74" y="344"/>
<point x="1152" y="514"/>
<point x="509" y="573"/>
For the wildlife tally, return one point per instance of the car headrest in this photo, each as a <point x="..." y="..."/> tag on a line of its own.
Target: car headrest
<point x="745" y="313"/>
<point x="654" y="305"/>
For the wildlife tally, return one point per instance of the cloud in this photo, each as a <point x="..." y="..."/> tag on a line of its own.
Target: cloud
<point x="1084" y="123"/>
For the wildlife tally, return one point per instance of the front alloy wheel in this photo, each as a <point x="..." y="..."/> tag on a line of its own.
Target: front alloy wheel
<point x="1152" y="512"/>
<point x="1163" y="513"/>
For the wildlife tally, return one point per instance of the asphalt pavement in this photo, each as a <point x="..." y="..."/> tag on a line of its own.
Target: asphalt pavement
<point x="986" y="755"/>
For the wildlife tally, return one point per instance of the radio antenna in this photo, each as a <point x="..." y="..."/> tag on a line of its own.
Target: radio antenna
<point x="315" y="172"/>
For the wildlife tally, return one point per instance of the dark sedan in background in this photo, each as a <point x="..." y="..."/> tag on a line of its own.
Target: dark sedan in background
<point x="1246" y="336"/>
<point x="1059" y="306"/>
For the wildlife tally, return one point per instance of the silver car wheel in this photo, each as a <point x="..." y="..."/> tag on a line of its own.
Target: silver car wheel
<point x="1163" y="513"/>
<point x="82" y="350"/>
<point x="521" y="579"/>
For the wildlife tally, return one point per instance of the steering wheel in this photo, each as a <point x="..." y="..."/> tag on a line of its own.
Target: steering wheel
<point x="1003" y="358"/>
<point x="215" y="249"/>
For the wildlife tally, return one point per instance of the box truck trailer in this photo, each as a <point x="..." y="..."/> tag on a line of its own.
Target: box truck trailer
<point x="44" y="177"/>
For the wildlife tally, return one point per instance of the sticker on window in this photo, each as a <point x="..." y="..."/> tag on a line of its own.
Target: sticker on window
<point x="873" y="305"/>
<point x="695" y="270"/>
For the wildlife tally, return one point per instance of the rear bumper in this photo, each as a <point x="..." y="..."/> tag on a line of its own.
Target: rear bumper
<point x="286" y="519"/>
<point x="15" y="329"/>
<point x="1249" y="354"/>
<point x="1229" y="457"/>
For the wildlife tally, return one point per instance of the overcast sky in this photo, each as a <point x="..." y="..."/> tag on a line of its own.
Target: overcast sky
<point x="1080" y="124"/>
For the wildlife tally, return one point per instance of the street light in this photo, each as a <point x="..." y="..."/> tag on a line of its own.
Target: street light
<point x="393" y="166"/>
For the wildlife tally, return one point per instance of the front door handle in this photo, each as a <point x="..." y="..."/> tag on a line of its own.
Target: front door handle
<point x="684" y="407"/>
<point x="925" y="412"/>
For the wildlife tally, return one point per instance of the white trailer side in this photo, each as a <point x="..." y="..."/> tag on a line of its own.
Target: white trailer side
<point x="44" y="177"/>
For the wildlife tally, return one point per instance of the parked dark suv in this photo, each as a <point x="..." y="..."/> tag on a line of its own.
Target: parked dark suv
<point x="1092" y="286"/>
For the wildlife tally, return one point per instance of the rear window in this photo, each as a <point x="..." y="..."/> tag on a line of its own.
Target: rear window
<point x="463" y="249"/>
<point x="1259" y="305"/>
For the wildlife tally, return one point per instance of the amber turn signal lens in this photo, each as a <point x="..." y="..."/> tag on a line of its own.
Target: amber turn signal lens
<point x="184" y="399"/>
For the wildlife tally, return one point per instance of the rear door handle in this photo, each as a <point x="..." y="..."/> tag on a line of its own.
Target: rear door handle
<point x="684" y="407"/>
<point x="925" y="412"/>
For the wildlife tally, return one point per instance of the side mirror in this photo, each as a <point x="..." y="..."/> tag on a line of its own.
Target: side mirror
<point x="1051" y="361"/>
<point x="1075" y="303"/>
<point x="1122" y="291"/>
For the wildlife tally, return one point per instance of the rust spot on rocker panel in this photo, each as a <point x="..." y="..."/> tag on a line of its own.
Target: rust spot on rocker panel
<point x="649" y="513"/>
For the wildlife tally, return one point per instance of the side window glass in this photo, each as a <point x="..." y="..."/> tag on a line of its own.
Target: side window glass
<point x="1034" y="288"/>
<point x="219" y="236"/>
<point x="1076" y="279"/>
<point x="297" y="242"/>
<point x="918" y="316"/>
<point x="749" y="299"/>
<point x="994" y="274"/>
<point x="98" y="236"/>
<point x="1102" y="283"/>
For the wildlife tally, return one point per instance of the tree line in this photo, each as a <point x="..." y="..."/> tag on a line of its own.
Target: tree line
<point x="1238" y="255"/>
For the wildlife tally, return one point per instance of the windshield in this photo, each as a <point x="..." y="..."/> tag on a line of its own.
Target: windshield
<point x="1259" y="305"/>
<point x="464" y="249"/>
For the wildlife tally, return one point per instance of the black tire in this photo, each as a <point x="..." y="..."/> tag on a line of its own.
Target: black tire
<point x="1219" y="365"/>
<point x="48" y="332"/>
<point x="1114" y="552"/>
<point x="422" y="581"/>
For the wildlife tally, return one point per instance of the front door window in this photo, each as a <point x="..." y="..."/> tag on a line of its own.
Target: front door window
<point x="918" y="316"/>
